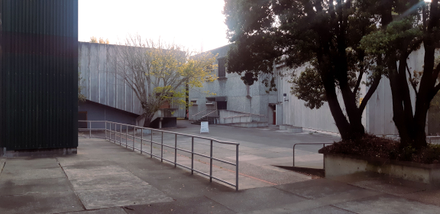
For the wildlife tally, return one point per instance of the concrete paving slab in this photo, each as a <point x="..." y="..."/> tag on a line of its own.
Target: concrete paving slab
<point x="40" y="203"/>
<point x="430" y="196"/>
<point x="178" y="184"/>
<point x="197" y="205"/>
<point x="27" y="186"/>
<point x="272" y="175"/>
<point x="122" y="196"/>
<point x="81" y="162"/>
<point x="106" y="181"/>
<point x="10" y="173"/>
<point x="75" y="173"/>
<point x="316" y="188"/>
<point x="116" y="210"/>
<point x="383" y="183"/>
<point x="255" y="199"/>
<point x="388" y="204"/>
<point x="32" y="163"/>
<point x="325" y="210"/>
<point x="320" y="202"/>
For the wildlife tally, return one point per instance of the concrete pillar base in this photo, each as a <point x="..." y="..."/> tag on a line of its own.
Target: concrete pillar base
<point x="37" y="152"/>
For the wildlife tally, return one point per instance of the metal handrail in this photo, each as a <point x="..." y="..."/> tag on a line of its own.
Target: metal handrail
<point x="200" y="112"/>
<point x="245" y="115"/>
<point x="209" y="113"/>
<point x="111" y="129"/>
<point x="261" y="115"/>
<point x="197" y="118"/>
<point x="323" y="145"/>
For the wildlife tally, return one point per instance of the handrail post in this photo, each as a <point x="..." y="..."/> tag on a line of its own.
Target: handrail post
<point x="293" y="155"/>
<point x="175" y="150"/>
<point x="236" y="168"/>
<point x="126" y="136"/>
<point x="323" y="159"/>
<point x="90" y="129"/>
<point x="114" y="132"/>
<point x="161" y="148"/>
<point x="151" y="145"/>
<point x="120" y="134"/>
<point x="111" y="131"/>
<point x="192" y="155"/>
<point x="134" y="136"/>
<point x="210" y="163"/>
<point x="142" y="135"/>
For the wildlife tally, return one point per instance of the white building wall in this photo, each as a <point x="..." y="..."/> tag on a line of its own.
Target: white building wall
<point x="294" y="112"/>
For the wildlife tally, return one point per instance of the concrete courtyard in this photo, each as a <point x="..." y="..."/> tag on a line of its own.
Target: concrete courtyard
<point x="105" y="177"/>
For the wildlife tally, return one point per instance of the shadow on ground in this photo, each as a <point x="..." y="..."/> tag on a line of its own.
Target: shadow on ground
<point x="315" y="173"/>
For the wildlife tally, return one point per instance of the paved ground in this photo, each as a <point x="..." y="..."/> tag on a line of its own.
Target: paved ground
<point x="107" y="178"/>
<point x="261" y="151"/>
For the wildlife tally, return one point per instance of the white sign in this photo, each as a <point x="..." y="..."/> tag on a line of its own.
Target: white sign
<point x="204" y="127"/>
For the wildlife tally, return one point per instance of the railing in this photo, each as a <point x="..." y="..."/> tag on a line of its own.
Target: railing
<point x="323" y="145"/>
<point x="252" y="117"/>
<point x="115" y="132"/>
<point x="202" y="114"/>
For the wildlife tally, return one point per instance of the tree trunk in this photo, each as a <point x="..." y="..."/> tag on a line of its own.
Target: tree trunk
<point x="147" y="121"/>
<point x="348" y="131"/>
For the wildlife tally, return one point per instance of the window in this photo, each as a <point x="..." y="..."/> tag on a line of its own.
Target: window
<point x="194" y="102"/>
<point x="221" y="67"/>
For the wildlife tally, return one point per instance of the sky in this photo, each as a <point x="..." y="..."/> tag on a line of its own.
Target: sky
<point x="195" y="24"/>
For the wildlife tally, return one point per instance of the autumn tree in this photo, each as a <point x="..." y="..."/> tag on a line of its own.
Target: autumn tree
<point x="158" y="73"/>
<point x="323" y="35"/>
<point x="413" y="26"/>
<point x="100" y="40"/>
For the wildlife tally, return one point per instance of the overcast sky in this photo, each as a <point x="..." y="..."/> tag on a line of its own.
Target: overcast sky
<point x="195" y="24"/>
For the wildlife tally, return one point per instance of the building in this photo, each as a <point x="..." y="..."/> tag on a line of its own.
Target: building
<point x="229" y="100"/>
<point x="284" y="109"/>
<point x="108" y="97"/>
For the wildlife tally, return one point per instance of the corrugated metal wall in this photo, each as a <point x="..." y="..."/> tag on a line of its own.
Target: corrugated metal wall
<point x="101" y="84"/>
<point x="39" y="74"/>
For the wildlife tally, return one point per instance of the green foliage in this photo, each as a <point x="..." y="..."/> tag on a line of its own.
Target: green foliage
<point x="308" y="87"/>
<point x="391" y="39"/>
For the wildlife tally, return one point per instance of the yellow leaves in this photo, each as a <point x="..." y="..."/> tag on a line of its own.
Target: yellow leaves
<point x="93" y="40"/>
<point x="100" y="40"/>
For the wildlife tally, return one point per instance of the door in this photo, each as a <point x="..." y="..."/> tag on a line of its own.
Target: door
<point x="222" y="105"/>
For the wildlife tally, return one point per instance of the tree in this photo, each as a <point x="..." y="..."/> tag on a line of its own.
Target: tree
<point x="323" y="35"/>
<point x="81" y="97"/>
<point x="411" y="26"/>
<point x="100" y="40"/>
<point x="158" y="73"/>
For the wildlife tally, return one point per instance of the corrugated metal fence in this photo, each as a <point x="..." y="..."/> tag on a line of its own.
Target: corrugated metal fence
<point x="39" y="74"/>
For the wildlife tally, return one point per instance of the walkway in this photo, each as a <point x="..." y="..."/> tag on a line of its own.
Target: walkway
<point x="106" y="178"/>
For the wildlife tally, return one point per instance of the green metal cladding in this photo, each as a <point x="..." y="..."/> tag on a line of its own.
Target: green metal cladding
<point x="38" y="74"/>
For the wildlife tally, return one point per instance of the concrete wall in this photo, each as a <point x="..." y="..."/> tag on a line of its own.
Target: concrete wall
<point x="292" y="110"/>
<point x="97" y="111"/>
<point x="96" y="62"/>
<point x="236" y="92"/>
